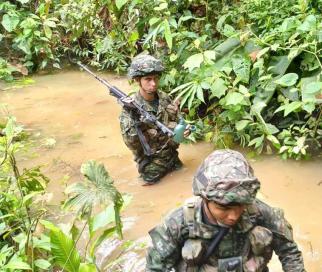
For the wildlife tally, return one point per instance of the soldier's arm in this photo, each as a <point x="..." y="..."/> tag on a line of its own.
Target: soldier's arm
<point x="129" y="133"/>
<point x="283" y="243"/>
<point x="167" y="241"/>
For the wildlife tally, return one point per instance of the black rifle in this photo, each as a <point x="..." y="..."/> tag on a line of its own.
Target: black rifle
<point x="137" y="109"/>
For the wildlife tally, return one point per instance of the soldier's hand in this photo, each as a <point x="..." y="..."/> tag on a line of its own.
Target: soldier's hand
<point x="145" y="120"/>
<point x="127" y="102"/>
<point x="187" y="131"/>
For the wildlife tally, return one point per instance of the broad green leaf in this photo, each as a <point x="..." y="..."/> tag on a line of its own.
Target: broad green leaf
<point x="43" y="264"/>
<point x="192" y="96"/>
<point x="241" y="67"/>
<point x="85" y="267"/>
<point x="107" y="233"/>
<point x="273" y="139"/>
<point x="229" y="31"/>
<point x="291" y="107"/>
<point x="9" y="130"/>
<point x="312" y="87"/>
<point x="199" y="92"/>
<point x="218" y="88"/>
<point x="283" y="149"/>
<point x="16" y="263"/>
<point x="279" y="64"/>
<point x="308" y="24"/>
<point x="240" y="125"/>
<point x="23" y="1"/>
<point x="193" y="61"/>
<point x="262" y="52"/>
<point x="309" y="107"/>
<point x="133" y="37"/>
<point x="42" y="243"/>
<point x="271" y="129"/>
<point x="234" y="98"/>
<point x="9" y="22"/>
<point x="162" y="6"/>
<point x="167" y="33"/>
<point x="48" y="32"/>
<point x="50" y="23"/>
<point x="98" y="188"/>
<point x="287" y="80"/>
<point x="210" y="54"/>
<point x="257" y="141"/>
<point x="120" y="3"/>
<point x="186" y="96"/>
<point x="153" y="20"/>
<point x="103" y="218"/>
<point x="64" y="251"/>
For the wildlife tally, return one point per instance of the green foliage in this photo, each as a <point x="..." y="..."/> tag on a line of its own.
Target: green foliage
<point x="63" y="249"/>
<point x="22" y="245"/>
<point x="243" y="65"/>
<point x="97" y="188"/>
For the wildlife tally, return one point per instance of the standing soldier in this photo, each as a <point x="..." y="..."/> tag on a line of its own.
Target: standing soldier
<point x="225" y="228"/>
<point x="137" y="134"/>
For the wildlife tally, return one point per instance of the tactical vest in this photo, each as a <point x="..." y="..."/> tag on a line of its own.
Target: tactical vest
<point x="256" y="248"/>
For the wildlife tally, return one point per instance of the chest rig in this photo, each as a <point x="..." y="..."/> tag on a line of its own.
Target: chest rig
<point x="256" y="242"/>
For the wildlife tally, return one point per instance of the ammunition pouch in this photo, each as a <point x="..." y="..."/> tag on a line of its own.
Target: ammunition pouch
<point x="193" y="251"/>
<point x="234" y="264"/>
<point x="260" y="240"/>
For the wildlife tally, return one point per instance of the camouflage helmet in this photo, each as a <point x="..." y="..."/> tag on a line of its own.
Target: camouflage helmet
<point x="226" y="177"/>
<point x="143" y="65"/>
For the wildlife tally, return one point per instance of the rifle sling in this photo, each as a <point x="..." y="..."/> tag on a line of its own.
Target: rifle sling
<point x="146" y="148"/>
<point x="214" y="244"/>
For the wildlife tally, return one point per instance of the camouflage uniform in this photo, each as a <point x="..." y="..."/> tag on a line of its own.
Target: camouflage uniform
<point x="225" y="177"/>
<point x="165" y="154"/>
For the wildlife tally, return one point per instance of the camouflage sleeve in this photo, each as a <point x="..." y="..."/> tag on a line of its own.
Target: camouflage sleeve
<point x="283" y="243"/>
<point x="129" y="133"/>
<point x="167" y="241"/>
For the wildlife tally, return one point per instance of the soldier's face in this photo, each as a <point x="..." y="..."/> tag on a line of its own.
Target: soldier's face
<point x="228" y="215"/>
<point x="149" y="84"/>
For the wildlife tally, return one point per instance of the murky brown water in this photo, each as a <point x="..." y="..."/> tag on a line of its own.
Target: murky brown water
<point x="76" y="110"/>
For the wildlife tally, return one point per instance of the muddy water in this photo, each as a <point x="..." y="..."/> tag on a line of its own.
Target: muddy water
<point x="76" y="111"/>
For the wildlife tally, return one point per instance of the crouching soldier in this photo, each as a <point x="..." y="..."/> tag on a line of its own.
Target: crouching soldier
<point x="225" y="228"/>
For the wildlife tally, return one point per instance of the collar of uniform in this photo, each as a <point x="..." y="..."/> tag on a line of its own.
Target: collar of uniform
<point x="208" y="231"/>
<point x="145" y="104"/>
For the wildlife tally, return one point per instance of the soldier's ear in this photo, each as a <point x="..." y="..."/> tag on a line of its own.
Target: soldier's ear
<point x="138" y="80"/>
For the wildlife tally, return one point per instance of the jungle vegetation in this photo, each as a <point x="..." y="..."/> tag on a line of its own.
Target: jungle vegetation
<point x="246" y="71"/>
<point x="31" y="238"/>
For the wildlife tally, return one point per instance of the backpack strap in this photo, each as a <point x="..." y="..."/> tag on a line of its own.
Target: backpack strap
<point x="189" y="216"/>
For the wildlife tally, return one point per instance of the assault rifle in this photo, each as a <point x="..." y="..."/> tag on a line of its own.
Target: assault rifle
<point x="137" y="109"/>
